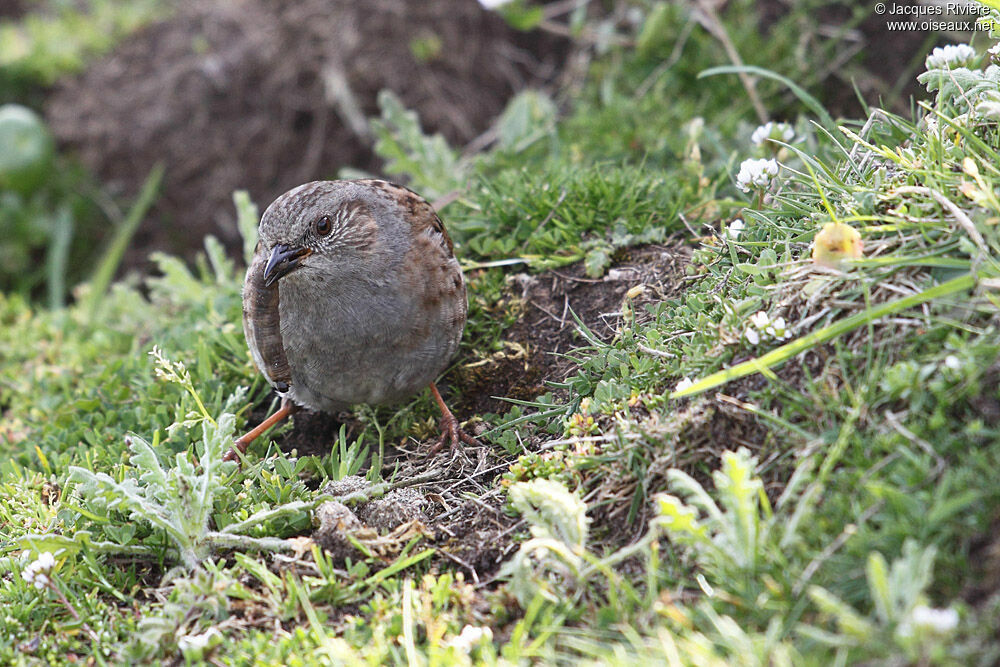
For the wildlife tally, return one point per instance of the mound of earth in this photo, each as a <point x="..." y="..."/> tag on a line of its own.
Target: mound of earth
<point x="11" y="9"/>
<point x="263" y="95"/>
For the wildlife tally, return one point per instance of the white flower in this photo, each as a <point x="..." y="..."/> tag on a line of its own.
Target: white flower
<point x="951" y="56"/>
<point x="736" y="227"/>
<point x="938" y="621"/>
<point x="760" y="320"/>
<point x="194" y="646"/>
<point x="36" y="573"/>
<point x="777" y="329"/>
<point x="683" y="384"/>
<point x="756" y="174"/>
<point x="994" y="50"/>
<point x="780" y="131"/>
<point x="470" y="637"/>
<point x="762" y="326"/>
<point x="952" y="362"/>
<point x="762" y="133"/>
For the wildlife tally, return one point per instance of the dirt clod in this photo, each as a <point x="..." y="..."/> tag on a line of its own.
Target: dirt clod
<point x="336" y="521"/>
<point x="395" y="508"/>
<point x="346" y="486"/>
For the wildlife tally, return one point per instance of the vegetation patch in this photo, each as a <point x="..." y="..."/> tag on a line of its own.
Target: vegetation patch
<point x="736" y="384"/>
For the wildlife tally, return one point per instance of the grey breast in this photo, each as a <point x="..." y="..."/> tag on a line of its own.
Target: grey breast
<point x="349" y="341"/>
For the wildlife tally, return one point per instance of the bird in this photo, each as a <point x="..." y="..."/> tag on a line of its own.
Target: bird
<point x="353" y="296"/>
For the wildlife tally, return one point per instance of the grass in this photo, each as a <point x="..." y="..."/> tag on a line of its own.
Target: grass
<point x="822" y="498"/>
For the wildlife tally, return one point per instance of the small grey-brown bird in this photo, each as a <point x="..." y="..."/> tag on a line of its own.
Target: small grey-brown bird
<point x="353" y="296"/>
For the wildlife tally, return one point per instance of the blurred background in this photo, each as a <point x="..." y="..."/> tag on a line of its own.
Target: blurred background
<point x="127" y="125"/>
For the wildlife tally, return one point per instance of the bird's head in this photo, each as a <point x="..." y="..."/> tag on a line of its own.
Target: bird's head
<point x="322" y="225"/>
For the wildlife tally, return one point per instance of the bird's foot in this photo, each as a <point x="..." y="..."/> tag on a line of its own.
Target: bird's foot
<point x="240" y="445"/>
<point x="450" y="430"/>
<point x="452" y="433"/>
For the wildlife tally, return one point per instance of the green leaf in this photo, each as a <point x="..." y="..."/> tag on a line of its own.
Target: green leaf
<point x="658" y="28"/>
<point x="597" y="261"/>
<point x="849" y="621"/>
<point x="527" y="118"/>
<point x="878" y="584"/>
<point x="521" y="16"/>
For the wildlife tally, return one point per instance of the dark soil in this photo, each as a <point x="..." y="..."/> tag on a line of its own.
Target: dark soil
<point x="546" y="329"/>
<point x="11" y="9"/>
<point x="459" y="511"/>
<point x="263" y="95"/>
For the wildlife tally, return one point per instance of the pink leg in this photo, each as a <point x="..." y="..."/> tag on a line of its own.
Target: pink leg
<point x="287" y="409"/>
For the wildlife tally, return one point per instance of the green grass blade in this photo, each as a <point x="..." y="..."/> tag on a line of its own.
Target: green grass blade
<point x="108" y="265"/>
<point x="814" y="105"/>
<point x="247" y="217"/>
<point x="398" y="566"/>
<point x="58" y="256"/>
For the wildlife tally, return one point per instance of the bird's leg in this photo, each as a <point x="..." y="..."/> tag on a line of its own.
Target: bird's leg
<point x="450" y="430"/>
<point x="286" y="410"/>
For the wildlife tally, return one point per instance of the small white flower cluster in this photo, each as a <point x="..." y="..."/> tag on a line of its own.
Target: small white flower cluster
<point x="937" y="620"/>
<point x="470" y="637"/>
<point x="924" y="620"/>
<point x="168" y="370"/>
<point x="940" y="621"/>
<point x="756" y="174"/>
<point x="735" y="228"/>
<point x="37" y="572"/>
<point x="951" y="56"/>
<point x="778" y="131"/>
<point x="683" y="384"/>
<point x="762" y="327"/>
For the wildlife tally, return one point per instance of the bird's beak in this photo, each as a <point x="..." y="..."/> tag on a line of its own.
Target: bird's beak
<point x="283" y="259"/>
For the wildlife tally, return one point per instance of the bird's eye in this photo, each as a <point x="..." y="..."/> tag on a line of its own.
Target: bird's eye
<point x="323" y="225"/>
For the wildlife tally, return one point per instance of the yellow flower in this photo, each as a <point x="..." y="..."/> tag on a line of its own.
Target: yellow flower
<point x="835" y="243"/>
